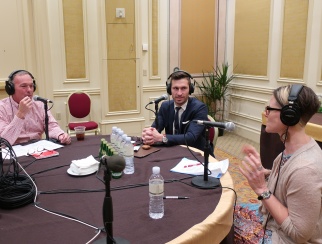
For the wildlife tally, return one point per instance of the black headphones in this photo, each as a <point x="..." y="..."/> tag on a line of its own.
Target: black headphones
<point x="176" y="70"/>
<point x="291" y="113"/>
<point x="10" y="87"/>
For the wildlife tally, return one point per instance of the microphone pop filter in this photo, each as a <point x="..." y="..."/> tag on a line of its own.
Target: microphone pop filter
<point x="114" y="163"/>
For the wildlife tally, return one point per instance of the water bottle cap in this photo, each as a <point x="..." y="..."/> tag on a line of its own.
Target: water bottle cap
<point x="128" y="139"/>
<point x="114" y="128"/>
<point x="124" y="136"/>
<point x="156" y="170"/>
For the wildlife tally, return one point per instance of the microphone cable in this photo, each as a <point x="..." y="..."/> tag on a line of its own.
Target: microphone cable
<point x="15" y="190"/>
<point x="192" y="153"/>
<point x="18" y="190"/>
<point x="215" y="187"/>
<point x="56" y="213"/>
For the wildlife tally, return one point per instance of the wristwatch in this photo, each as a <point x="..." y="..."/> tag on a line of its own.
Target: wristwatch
<point x="164" y="139"/>
<point x="264" y="195"/>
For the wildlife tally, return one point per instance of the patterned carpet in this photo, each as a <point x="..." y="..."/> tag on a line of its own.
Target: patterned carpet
<point x="243" y="190"/>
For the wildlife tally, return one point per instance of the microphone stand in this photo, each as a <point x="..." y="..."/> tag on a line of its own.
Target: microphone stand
<point x="46" y="120"/>
<point x="108" y="213"/>
<point x="156" y="115"/>
<point x="204" y="181"/>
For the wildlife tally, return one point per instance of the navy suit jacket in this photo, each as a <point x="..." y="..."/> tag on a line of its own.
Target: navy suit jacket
<point x="194" y="133"/>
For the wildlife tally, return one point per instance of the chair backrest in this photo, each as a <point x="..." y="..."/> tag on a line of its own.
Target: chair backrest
<point x="213" y="132"/>
<point x="79" y="104"/>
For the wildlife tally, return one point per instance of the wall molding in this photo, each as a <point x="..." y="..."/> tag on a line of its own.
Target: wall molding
<point x="122" y="121"/>
<point x="65" y="93"/>
<point x="255" y="89"/>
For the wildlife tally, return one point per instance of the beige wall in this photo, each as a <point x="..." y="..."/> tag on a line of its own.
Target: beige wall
<point x="197" y="44"/>
<point x="80" y="45"/>
<point x="288" y="50"/>
<point x="267" y="43"/>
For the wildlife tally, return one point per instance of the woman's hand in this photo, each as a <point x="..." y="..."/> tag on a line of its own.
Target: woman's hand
<point x="253" y="170"/>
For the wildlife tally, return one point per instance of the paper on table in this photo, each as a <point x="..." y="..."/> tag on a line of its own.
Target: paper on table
<point x="193" y="167"/>
<point x="23" y="150"/>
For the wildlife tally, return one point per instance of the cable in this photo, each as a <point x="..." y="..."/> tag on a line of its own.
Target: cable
<point x="15" y="190"/>
<point x="46" y="170"/>
<point x="34" y="193"/>
<point x="18" y="190"/>
<point x="56" y="213"/>
<point x="185" y="140"/>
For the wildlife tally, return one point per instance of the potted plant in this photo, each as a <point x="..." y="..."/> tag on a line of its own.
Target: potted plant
<point x="214" y="90"/>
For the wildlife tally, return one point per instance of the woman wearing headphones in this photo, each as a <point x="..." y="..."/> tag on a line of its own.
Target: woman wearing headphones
<point x="291" y="192"/>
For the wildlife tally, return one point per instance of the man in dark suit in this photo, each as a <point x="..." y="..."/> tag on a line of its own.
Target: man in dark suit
<point x="187" y="109"/>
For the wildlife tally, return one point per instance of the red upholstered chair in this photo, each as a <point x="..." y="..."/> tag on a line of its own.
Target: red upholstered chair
<point x="213" y="132"/>
<point x="79" y="112"/>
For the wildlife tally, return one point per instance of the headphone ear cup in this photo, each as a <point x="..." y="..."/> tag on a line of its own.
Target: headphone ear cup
<point x="168" y="84"/>
<point x="191" y="88"/>
<point x="35" y="86"/>
<point x="10" y="88"/>
<point x="290" y="115"/>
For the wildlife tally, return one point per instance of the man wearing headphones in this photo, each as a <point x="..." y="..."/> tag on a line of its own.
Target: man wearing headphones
<point x="21" y="118"/>
<point x="186" y="109"/>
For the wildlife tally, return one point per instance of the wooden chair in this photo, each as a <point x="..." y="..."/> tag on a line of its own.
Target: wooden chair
<point x="79" y="112"/>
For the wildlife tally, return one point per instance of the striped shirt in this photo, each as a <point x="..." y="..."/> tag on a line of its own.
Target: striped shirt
<point x="16" y="130"/>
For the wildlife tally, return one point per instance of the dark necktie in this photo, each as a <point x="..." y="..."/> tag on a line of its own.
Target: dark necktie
<point x="176" y="121"/>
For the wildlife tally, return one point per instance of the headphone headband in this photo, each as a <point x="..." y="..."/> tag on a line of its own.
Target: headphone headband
<point x="177" y="70"/>
<point x="295" y="91"/>
<point x="291" y="113"/>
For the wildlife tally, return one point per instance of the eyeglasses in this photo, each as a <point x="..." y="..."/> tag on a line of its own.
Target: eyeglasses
<point x="39" y="150"/>
<point x="268" y="109"/>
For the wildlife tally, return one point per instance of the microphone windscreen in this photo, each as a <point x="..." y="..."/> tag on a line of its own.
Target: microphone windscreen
<point x="35" y="98"/>
<point x="114" y="163"/>
<point x="230" y="126"/>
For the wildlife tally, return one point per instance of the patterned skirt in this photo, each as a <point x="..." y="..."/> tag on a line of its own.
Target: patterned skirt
<point x="248" y="226"/>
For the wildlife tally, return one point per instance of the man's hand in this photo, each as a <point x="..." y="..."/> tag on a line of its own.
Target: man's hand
<point x="64" y="138"/>
<point x="151" y="135"/>
<point x="24" y="107"/>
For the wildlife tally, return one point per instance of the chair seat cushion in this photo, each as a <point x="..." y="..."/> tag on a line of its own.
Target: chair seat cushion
<point x="90" y="125"/>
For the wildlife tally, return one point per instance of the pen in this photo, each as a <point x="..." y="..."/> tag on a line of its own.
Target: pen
<point x="174" y="197"/>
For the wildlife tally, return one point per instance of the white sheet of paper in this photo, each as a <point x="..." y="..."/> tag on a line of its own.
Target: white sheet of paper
<point x="23" y="150"/>
<point x="193" y="167"/>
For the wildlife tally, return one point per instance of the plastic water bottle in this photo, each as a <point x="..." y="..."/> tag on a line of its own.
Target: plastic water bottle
<point x="118" y="140"/>
<point x="122" y="143"/>
<point x="156" y="191"/>
<point x="128" y="154"/>
<point x="113" y="136"/>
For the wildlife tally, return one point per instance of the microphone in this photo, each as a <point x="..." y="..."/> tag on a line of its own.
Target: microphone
<point x="163" y="97"/>
<point x="114" y="163"/>
<point x="229" y="126"/>
<point x="44" y="100"/>
<point x="117" y="164"/>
